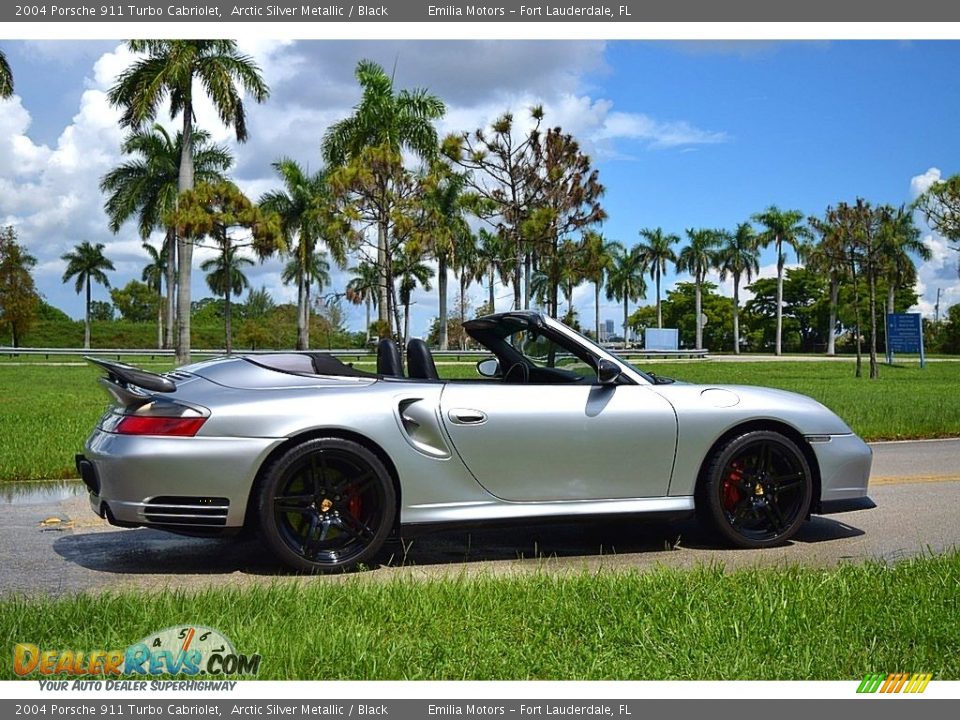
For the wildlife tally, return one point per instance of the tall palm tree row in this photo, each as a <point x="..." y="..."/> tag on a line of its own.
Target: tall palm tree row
<point x="900" y="240"/>
<point x="625" y="282"/>
<point x="225" y="278"/>
<point x="146" y="186"/>
<point x="166" y="70"/>
<point x="738" y="255"/>
<point x="782" y="228"/>
<point x="398" y="120"/>
<point x="87" y="264"/>
<point x="657" y="251"/>
<point x="6" y="77"/>
<point x="697" y="258"/>
<point x="153" y="275"/>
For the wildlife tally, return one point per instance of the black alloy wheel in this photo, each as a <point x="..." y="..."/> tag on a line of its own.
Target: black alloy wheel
<point x="758" y="489"/>
<point x="327" y="504"/>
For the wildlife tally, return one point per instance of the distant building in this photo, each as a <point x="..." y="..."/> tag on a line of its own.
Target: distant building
<point x="607" y="330"/>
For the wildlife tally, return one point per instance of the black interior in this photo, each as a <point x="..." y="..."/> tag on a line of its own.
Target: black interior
<point x="420" y="364"/>
<point x="388" y="359"/>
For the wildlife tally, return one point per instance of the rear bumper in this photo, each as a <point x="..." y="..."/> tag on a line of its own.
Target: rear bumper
<point x="844" y="462"/>
<point x="179" y="484"/>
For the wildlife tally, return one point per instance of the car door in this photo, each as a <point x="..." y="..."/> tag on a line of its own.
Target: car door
<point x="571" y="441"/>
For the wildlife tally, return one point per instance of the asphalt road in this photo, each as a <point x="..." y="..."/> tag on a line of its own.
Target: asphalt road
<point x="60" y="547"/>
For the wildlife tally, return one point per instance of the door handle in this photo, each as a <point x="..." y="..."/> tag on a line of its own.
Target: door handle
<point x="467" y="416"/>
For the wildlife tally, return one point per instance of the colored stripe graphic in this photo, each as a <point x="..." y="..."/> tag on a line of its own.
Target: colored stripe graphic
<point x="894" y="683"/>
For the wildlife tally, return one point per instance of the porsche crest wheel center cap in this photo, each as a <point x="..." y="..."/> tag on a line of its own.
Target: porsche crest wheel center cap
<point x="326" y="504"/>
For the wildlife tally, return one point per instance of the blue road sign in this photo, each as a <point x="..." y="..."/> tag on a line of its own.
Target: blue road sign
<point x="905" y="334"/>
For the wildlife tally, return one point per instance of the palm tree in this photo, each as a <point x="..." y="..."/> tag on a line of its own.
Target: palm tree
<point x="316" y="272"/>
<point x="86" y="263"/>
<point x="226" y="279"/>
<point x="783" y="227"/>
<point x="296" y="206"/>
<point x="465" y="267"/>
<point x="399" y="120"/>
<point x="656" y="253"/>
<point x="153" y="274"/>
<point x="146" y="186"/>
<point x="409" y="269"/>
<point x="697" y="258"/>
<point x="738" y="256"/>
<point x="362" y="288"/>
<point x="6" y="77"/>
<point x="625" y="282"/>
<point x="168" y="68"/>
<point x="901" y="238"/>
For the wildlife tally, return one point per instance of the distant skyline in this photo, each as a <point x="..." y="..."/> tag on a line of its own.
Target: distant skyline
<point x="685" y="134"/>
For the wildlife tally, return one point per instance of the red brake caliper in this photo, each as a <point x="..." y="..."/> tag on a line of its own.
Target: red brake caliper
<point x="730" y="495"/>
<point x="355" y="503"/>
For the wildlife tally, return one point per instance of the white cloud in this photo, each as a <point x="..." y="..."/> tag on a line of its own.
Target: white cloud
<point x="921" y="183"/>
<point x="50" y="192"/>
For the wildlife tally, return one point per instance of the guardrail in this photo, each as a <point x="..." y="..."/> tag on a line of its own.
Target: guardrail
<point x="458" y="355"/>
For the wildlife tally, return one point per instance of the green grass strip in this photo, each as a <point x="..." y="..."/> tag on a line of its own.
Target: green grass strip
<point x="792" y="623"/>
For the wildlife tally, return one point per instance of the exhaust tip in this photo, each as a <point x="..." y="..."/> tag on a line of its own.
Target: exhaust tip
<point x="88" y="473"/>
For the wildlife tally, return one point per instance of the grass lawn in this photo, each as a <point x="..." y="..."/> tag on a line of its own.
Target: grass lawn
<point x="46" y="412"/>
<point x="790" y="623"/>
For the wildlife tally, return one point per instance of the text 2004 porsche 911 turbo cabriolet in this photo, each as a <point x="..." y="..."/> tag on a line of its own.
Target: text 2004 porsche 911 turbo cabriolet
<point x="327" y="461"/>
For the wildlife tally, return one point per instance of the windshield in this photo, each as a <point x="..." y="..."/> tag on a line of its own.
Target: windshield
<point x="599" y="351"/>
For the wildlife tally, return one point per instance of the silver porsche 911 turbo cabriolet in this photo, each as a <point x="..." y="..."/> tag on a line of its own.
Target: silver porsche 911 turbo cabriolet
<point x="328" y="461"/>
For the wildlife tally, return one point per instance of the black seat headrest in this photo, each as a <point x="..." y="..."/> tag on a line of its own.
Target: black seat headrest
<point x="420" y="363"/>
<point x="388" y="359"/>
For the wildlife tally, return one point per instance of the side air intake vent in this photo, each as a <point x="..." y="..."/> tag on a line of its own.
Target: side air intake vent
<point x="187" y="513"/>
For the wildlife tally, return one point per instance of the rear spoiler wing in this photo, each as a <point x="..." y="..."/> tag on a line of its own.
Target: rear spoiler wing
<point x="126" y="376"/>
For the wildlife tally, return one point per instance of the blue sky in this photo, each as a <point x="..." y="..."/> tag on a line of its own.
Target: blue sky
<point x="684" y="134"/>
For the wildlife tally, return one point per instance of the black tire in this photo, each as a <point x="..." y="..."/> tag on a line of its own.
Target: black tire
<point x="326" y="504"/>
<point x="757" y="490"/>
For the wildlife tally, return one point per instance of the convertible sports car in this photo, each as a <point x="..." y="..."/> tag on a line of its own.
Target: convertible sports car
<point x="327" y="461"/>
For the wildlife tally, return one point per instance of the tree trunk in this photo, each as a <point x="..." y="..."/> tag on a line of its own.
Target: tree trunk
<point x="368" y="319"/>
<point x="406" y="322"/>
<point x="384" y="290"/>
<point x="856" y="308"/>
<point x="699" y="312"/>
<point x="659" y="313"/>
<point x="228" y="322"/>
<point x="872" y="280"/>
<point x="463" y="309"/>
<point x="493" y="307"/>
<point x="778" y="347"/>
<point x="596" y="308"/>
<point x="86" y="319"/>
<point x="527" y="272"/>
<point x="306" y="313"/>
<point x="442" y="289"/>
<point x="184" y="246"/>
<point x="891" y="297"/>
<point x="171" y="245"/>
<point x="832" y="330"/>
<point x="626" y="330"/>
<point x="160" y="314"/>
<point x="736" y="313"/>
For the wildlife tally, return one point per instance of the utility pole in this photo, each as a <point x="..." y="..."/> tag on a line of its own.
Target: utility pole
<point x="936" y="308"/>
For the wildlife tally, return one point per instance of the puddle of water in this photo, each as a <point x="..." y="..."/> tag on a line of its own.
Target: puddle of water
<point x="40" y="493"/>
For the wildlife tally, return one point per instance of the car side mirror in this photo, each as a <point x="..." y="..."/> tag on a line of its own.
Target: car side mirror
<point x="607" y="371"/>
<point x="489" y="368"/>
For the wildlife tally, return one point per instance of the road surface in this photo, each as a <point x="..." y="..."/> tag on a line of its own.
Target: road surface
<point x="60" y="547"/>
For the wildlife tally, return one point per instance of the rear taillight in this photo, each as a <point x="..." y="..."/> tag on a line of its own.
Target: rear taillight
<point x="153" y="425"/>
